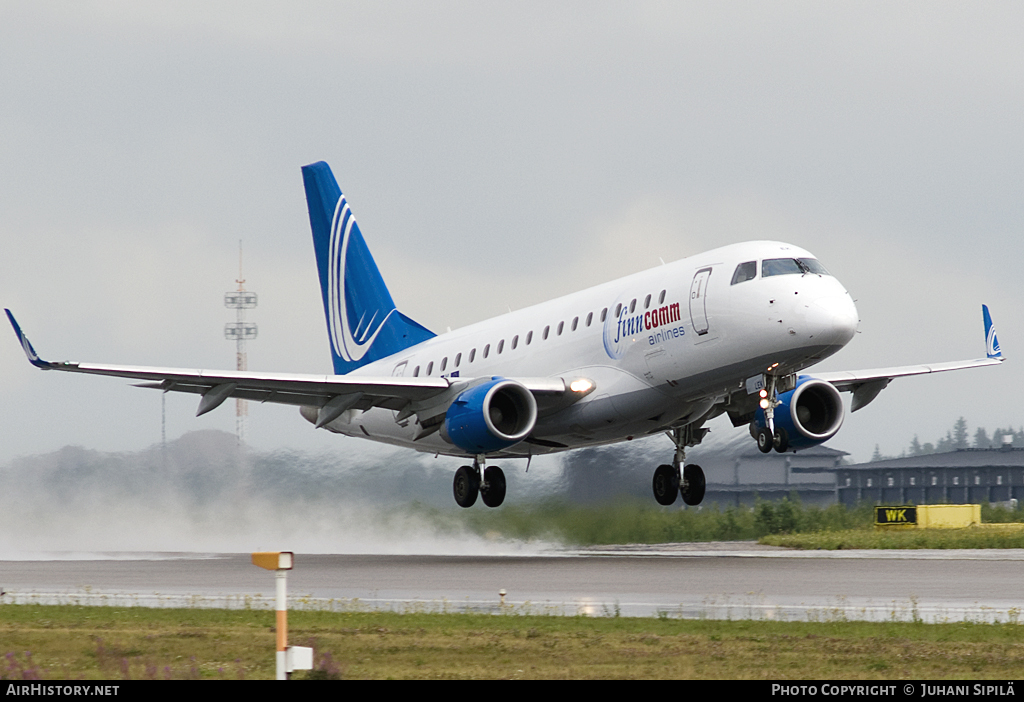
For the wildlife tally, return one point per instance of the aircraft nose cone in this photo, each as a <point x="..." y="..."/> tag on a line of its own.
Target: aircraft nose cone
<point x="839" y="315"/>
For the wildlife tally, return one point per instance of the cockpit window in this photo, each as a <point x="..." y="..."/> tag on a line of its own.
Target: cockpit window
<point x="788" y="266"/>
<point x="780" y="266"/>
<point x="814" y="266"/>
<point x="745" y="271"/>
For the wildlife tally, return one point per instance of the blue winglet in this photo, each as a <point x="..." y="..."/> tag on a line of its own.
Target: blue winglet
<point x="991" y="341"/>
<point x="33" y="357"/>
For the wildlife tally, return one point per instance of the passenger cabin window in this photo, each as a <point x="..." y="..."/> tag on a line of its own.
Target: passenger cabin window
<point x="501" y="346"/>
<point x="444" y="363"/>
<point x="487" y="350"/>
<point x="416" y="372"/>
<point x="647" y="302"/>
<point x="590" y="318"/>
<point x="546" y="330"/>
<point x="745" y="271"/>
<point x="661" y="297"/>
<point x="515" y="341"/>
<point x="604" y="313"/>
<point x="561" y="325"/>
<point x="472" y="355"/>
<point x="458" y="359"/>
<point x="430" y="368"/>
<point x="575" y="321"/>
<point x="791" y="266"/>
<point x="529" y="337"/>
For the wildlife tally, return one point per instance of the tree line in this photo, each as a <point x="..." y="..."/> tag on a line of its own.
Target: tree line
<point x="959" y="437"/>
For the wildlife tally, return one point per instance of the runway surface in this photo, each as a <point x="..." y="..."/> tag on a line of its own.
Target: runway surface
<point x="729" y="580"/>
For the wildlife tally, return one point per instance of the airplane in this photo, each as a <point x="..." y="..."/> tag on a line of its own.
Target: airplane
<point x="728" y="331"/>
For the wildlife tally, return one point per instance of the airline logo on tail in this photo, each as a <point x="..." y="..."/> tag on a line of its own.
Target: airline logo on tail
<point x="363" y="324"/>
<point x="350" y="344"/>
<point x="991" y="341"/>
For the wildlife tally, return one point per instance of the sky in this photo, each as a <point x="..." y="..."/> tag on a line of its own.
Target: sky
<point x="496" y="155"/>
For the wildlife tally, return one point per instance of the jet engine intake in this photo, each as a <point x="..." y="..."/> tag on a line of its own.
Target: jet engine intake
<point x="490" y="416"/>
<point x="810" y="414"/>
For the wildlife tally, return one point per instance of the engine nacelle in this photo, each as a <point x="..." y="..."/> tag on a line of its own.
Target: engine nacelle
<point x="811" y="413"/>
<point x="490" y="416"/>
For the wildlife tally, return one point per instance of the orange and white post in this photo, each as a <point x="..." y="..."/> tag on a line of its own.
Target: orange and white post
<point x="289" y="658"/>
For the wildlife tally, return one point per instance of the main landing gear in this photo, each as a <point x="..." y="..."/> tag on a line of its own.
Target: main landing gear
<point x="670" y="481"/>
<point x="468" y="484"/>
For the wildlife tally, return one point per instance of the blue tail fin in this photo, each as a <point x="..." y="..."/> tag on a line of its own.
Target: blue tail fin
<point x="362" y="321"/>
<point x="991" y="341"/>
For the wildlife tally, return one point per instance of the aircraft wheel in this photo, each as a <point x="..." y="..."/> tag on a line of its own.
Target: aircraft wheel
<point x="693" y="484"/>
<point x="466" y="486"/>
<point x="493" y="489"/>
<point x="781" y="440"/>
<point x="666" y="484"/>
<point x="765" y="440"/>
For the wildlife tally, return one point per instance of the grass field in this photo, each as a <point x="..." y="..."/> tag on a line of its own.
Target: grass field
<point x="71" y="642"/>
<point x="79" y="642"/>
<point x="970" y="537"/>
<point x="783" y="523"/>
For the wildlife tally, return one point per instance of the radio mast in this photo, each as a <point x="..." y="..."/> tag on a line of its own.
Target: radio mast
<point x="241" y="331"/>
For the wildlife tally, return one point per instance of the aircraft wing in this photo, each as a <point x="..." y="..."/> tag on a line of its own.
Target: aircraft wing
<point x="866" y="384"/>
<point x="333" y="394"/>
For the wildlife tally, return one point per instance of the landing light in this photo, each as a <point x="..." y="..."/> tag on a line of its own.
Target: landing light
<point x="581" y="385"/>
<point x="764" y="403"/>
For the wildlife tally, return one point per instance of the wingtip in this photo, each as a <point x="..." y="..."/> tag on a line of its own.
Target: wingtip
<point x="992" y="348"/>
<point x="26" y="345"/>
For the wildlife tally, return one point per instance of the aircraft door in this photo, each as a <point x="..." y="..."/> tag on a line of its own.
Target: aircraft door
<point x="698" y="306"/>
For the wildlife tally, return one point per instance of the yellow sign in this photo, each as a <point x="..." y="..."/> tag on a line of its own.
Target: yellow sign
<point x="887" y="516"/>
<point x="928" y="516"/>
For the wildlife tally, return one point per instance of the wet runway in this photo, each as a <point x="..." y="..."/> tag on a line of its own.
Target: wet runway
<point x="734" y="580"/>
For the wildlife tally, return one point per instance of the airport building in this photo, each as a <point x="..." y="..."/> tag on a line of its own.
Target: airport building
<point x="749" y="475"/>
<point x="738" y="474"/>
<point x="964" y="476"/>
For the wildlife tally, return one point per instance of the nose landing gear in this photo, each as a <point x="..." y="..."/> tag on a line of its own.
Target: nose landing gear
<point x="771" y="437"/>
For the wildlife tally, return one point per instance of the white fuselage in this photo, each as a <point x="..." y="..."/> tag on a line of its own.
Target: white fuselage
<point x="686" y="338"/>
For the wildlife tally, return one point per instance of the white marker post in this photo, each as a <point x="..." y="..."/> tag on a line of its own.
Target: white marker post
<point x="289" y="658"/>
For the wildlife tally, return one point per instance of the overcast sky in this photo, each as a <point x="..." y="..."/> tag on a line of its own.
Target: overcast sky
<point x="496" y="155"/>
